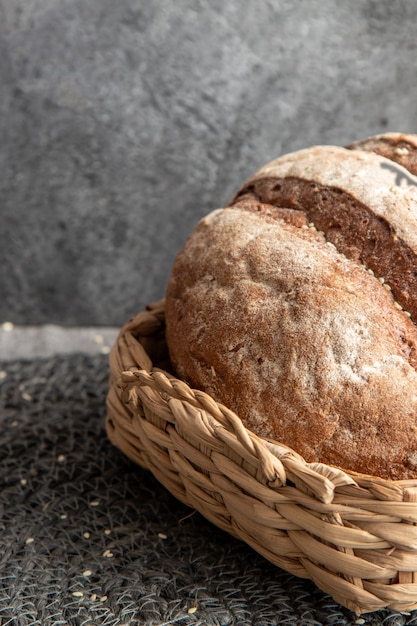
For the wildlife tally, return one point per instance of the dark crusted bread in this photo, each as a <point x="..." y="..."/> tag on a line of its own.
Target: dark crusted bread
<point x="297" y="330"/>
<point x="399" y="147"/>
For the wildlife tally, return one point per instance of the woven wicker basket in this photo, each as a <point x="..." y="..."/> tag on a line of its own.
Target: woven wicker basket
<point x="354" y="535"/>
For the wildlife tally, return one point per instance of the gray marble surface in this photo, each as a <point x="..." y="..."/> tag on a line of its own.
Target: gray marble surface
<point x="122" y="123"/>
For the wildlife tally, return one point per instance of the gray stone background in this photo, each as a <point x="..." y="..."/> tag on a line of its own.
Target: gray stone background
<point x="123" y="122"/>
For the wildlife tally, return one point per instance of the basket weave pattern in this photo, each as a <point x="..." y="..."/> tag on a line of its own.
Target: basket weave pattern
<point x="354" y="535"/>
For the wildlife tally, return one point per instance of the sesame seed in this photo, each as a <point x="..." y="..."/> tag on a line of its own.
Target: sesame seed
<point x="311" y="225"/>
<point x="7" y="326"/>
<point x="77" y="594"/>
<point x="99" y="339"/>
<point x="330" y="244"/>
<point x="30" y="540"/>
<point x="87" y="572"/>
<point x="162" y="536"/>
<point x="371" y="272"/>
<point x="93" y="597"/>
<point x="402" y="151"/>
<point x="62" y="458"/>
<point x="192" y="610"/>
<point x="86" y="535"/>
<point x="105" y="350"/>
<point x="95" y="503"/>
<point x="387" y="287"/>
<point x="103" y="598"/>
<point x="108" y="554"/>
<point x="381" y="280"/>
<point x="407" y="313"/>
<point x="3" y="375"/>
<point x="304" y="227"/>
<point x="398" y="306"/>
<point x="107" y="531"/>
<point x="26" y="396"/>
<point x="63" y="516"/>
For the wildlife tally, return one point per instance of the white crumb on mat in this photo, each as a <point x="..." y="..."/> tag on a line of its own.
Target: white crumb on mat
<point x="108" y="554"/>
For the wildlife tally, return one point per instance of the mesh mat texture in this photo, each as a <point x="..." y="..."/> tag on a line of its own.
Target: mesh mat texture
<point x="88" y="538"/>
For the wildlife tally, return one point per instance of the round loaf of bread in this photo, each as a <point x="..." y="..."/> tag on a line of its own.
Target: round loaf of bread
<point x="296" y="306"/>
<point x="399" y="147"/>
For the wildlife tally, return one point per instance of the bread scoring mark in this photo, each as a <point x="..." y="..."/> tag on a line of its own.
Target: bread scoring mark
<point x="377" y="239"/>
<point x="400" y="175"/>
<point x="311" y="227"/>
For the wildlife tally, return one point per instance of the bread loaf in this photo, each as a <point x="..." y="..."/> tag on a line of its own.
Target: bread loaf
<point x="296" y="306"/>
<point x="398" y="147"/>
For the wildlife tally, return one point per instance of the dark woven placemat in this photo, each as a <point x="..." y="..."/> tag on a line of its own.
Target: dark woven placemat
<point x="87" y="538"/>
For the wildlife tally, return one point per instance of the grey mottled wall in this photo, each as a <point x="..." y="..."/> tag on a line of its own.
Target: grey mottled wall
<point x="123" y="122"/>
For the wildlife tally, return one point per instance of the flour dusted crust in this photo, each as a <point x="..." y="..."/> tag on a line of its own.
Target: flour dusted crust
<point x="364" y="203"/>
<point x="296" y="335"/>
<point x="363" y="175"/>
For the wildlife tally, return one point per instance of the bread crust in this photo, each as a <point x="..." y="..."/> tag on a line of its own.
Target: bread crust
<point x="303" y="343"/>
<point x="288" y="305"/>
